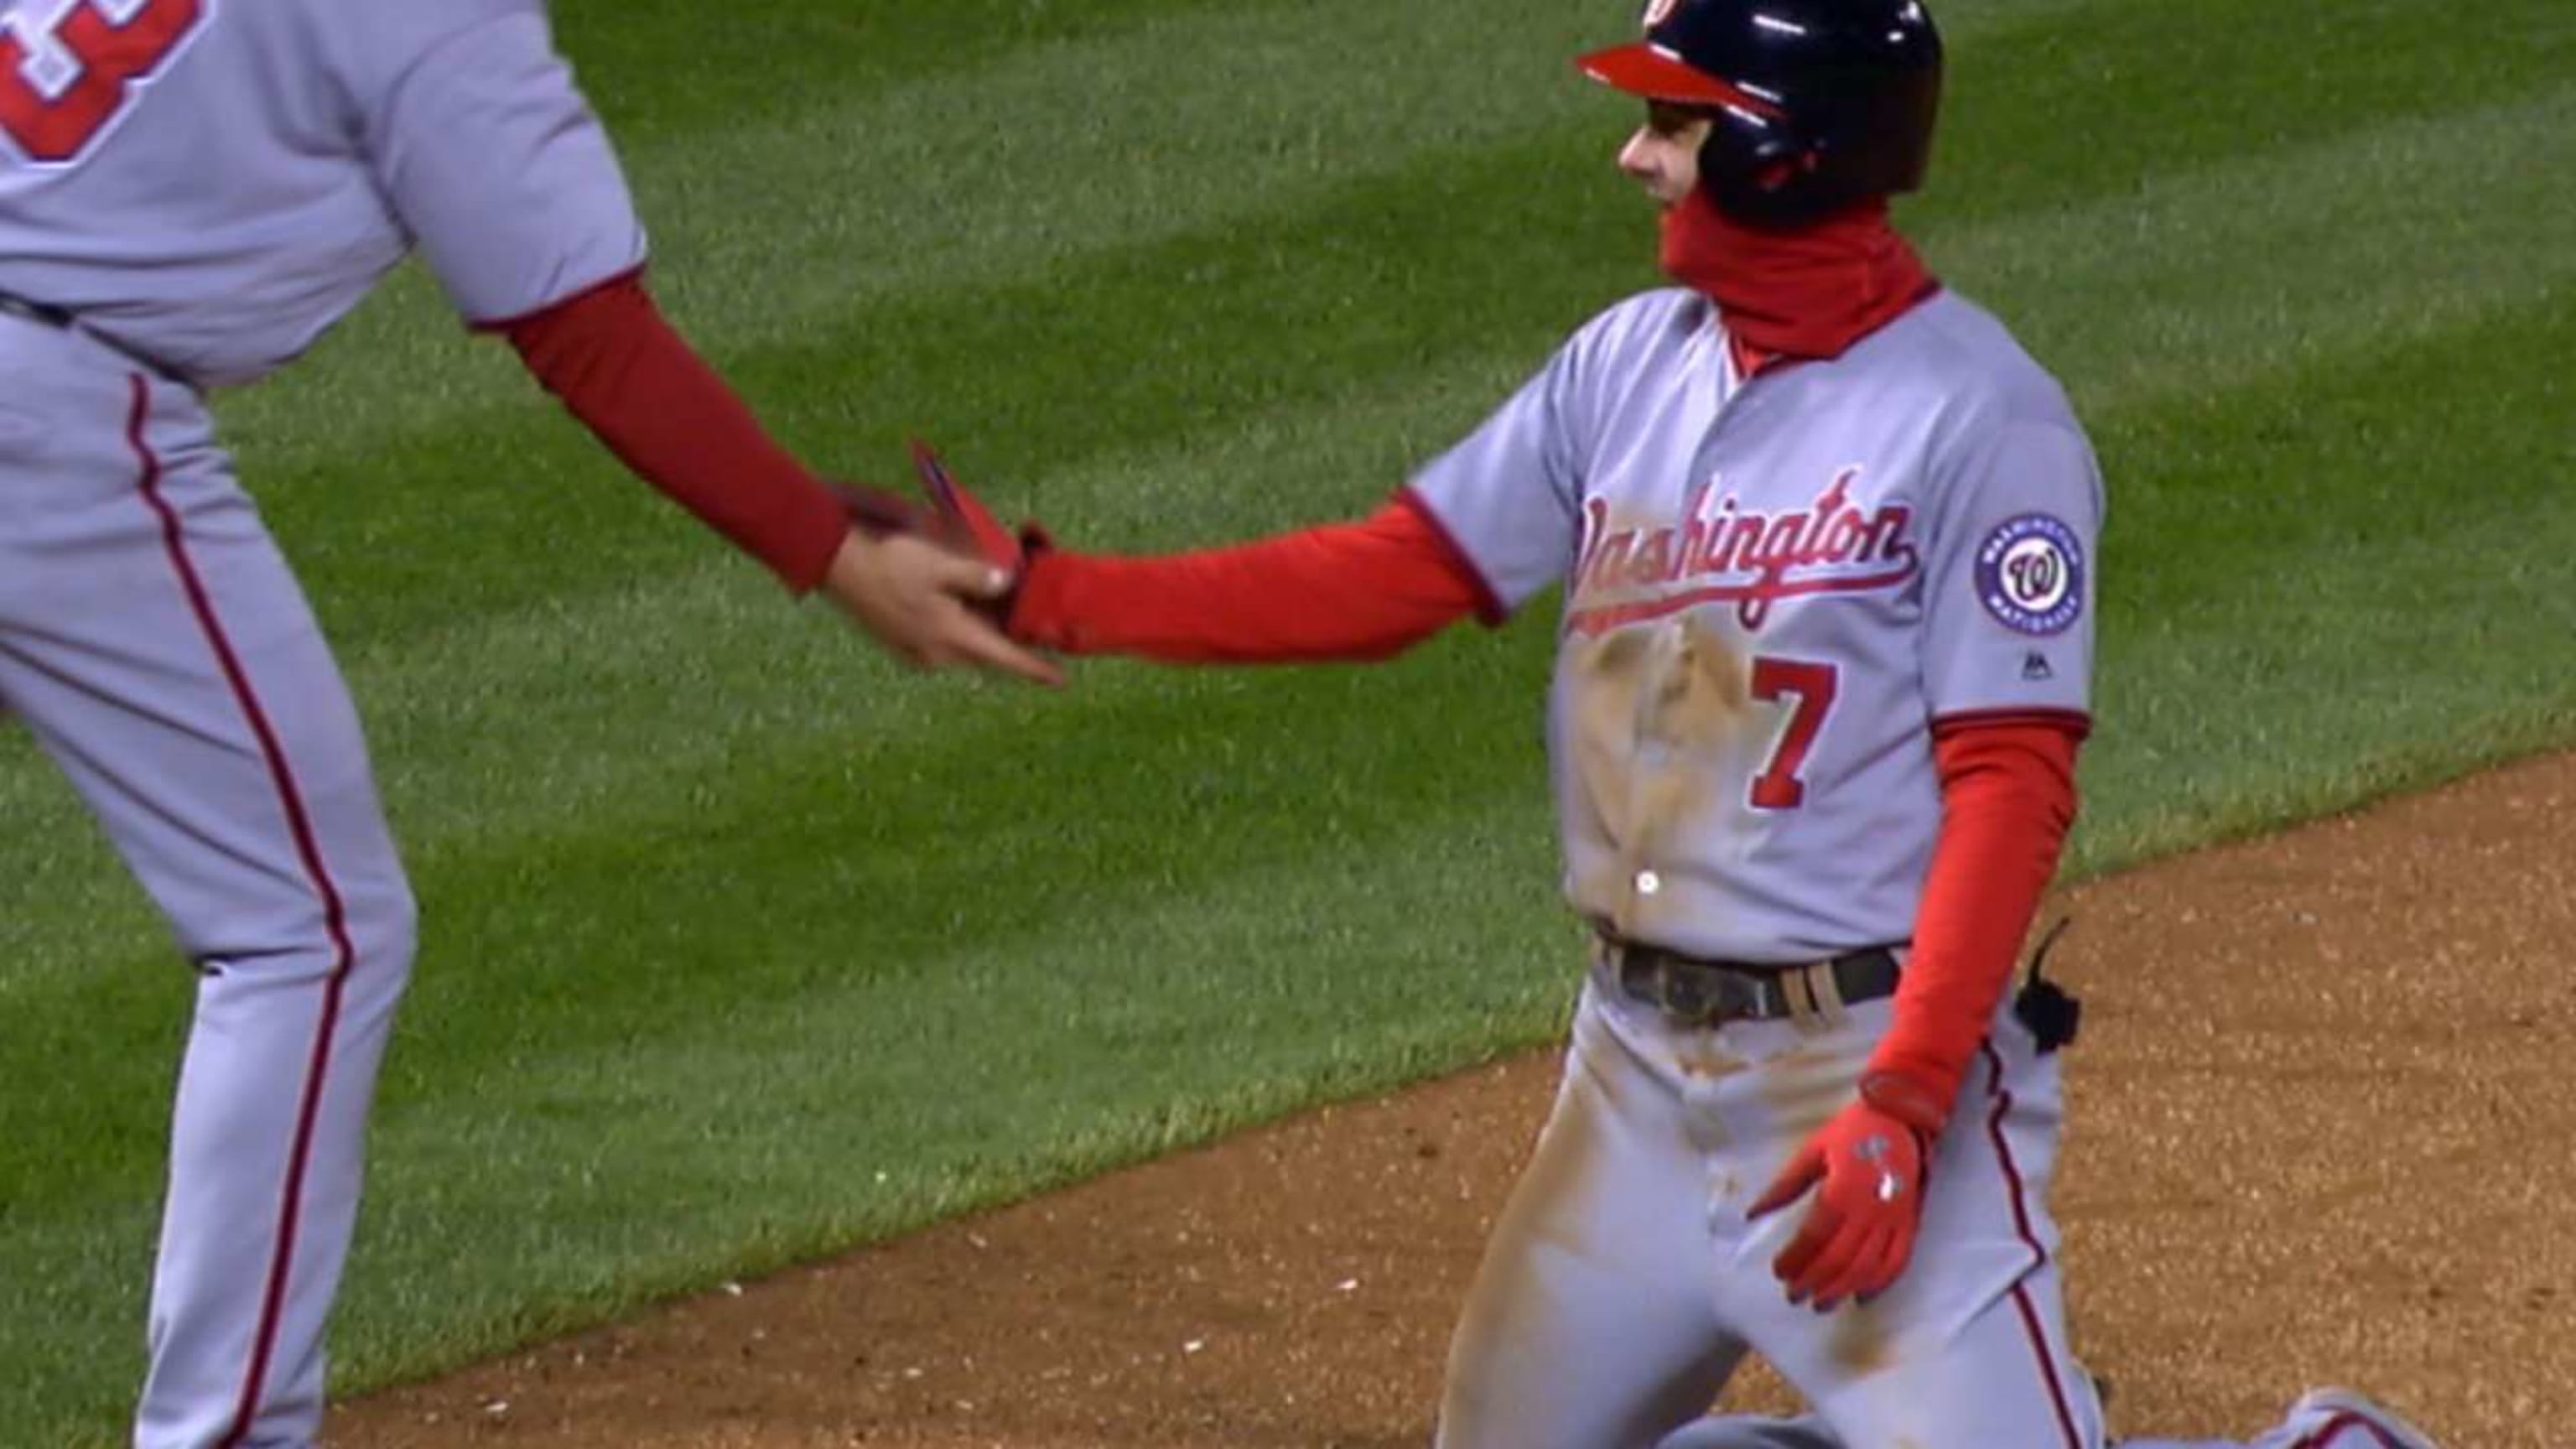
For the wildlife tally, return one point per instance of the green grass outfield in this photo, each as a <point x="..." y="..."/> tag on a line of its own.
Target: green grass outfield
<point x="742" y="946"/>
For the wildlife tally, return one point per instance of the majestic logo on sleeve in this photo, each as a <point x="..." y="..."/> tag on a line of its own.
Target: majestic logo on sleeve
<point x="2030" y="574"/>
<point x="1722" y="552"/>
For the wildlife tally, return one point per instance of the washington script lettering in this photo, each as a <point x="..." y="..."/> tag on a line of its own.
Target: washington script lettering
<point x="1723" y="553"/>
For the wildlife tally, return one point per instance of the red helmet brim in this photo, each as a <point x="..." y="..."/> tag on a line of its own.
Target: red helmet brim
<point x="1643" y="68"/>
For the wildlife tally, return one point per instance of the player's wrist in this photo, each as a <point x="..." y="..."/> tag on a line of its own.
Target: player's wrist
<point x="1909" y="1098"/>
<point x="1041" y="610"/>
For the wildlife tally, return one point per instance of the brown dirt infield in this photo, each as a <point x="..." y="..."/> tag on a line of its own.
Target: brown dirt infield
<point x="2318" y="1134"/>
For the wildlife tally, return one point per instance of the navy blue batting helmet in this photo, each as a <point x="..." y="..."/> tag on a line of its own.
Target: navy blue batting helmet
<point x="1817" y="104"/>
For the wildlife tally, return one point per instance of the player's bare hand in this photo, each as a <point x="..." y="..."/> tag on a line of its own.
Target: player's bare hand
<point x="1866" y="1169"/>
<point x="929" y="605"/>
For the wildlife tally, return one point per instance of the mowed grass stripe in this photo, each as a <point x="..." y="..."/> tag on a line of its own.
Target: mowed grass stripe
<point x="1384" y="283"/>
<point x="982" y="1071"/>
<point x="2201" y="281"/>
<point x="1046" y="157"/>
<point x="2048" y="116"/>
<point x="2357" y="577"/>
<point x="919" y="175"/>
<point x="1069" y="151"/>
<point x="952" y="343"/>
<point x="1054" y="151"/>
<point x="596" y="930"/>
<point x="1387" y="277"/>
<point x="664" y="69"/>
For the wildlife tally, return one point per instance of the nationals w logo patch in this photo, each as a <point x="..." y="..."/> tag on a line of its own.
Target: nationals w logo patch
<point x="2030" y="574"/>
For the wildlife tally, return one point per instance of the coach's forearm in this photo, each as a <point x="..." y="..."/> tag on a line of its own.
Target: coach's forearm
<point x="1346" y="591"/>
<point x="621" y="369"/>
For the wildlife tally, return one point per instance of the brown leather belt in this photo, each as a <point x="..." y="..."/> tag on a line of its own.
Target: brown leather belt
<point x="1692" y="991"/>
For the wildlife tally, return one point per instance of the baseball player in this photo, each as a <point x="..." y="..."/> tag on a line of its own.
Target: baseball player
<point x="1826" y="537"/>
<point x="191" y="191"/>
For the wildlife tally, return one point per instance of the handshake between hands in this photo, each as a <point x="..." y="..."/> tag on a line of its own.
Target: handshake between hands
<point x="933" y="581"/>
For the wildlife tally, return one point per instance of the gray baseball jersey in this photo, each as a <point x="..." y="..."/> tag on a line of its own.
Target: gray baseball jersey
<point x="206" y="186"/>
<point x="213" y="183"/>
<point x="1774" y="589"/>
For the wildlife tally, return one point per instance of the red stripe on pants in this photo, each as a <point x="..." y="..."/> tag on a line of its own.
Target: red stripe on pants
<point x="2030" y="1238"/>
<point x="309" y="855"/>
<point x="2336" y="1425"/>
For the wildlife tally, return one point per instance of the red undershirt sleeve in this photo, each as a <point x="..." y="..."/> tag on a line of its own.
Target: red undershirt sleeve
<point x="1346" y="591"/>
<point x="617" y="365"/>
<point x="2007" y="799"/>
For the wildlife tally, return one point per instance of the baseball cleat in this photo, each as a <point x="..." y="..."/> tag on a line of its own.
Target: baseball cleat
<point x="2342" y="1409"/>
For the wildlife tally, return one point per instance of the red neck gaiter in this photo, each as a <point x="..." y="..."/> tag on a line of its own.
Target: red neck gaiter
<point x="1809" y="293"/>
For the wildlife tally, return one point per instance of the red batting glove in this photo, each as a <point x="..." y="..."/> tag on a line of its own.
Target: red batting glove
<point x="1860" y="1232"/>
<point x="967" y="518"/>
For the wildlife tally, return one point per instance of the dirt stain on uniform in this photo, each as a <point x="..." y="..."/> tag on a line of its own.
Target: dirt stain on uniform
<point x="1696" y="1056"/>
<point x="1608" y="676"/>
<point x="1511" y="1300"/>
<point x="1805" y="1088"/>
<point x="1652" y="706"/>
<point x="1859" y="1342"/>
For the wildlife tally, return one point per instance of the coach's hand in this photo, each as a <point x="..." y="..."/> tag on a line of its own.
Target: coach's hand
<point x="1859" y="1232"/>
<point x="920" y="599"/>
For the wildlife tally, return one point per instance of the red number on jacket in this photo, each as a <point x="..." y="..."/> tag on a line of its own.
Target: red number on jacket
<point x="56" y="99"/>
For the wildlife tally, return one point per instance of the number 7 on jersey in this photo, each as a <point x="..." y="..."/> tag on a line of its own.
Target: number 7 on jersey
<point x="1811" y="686"/>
